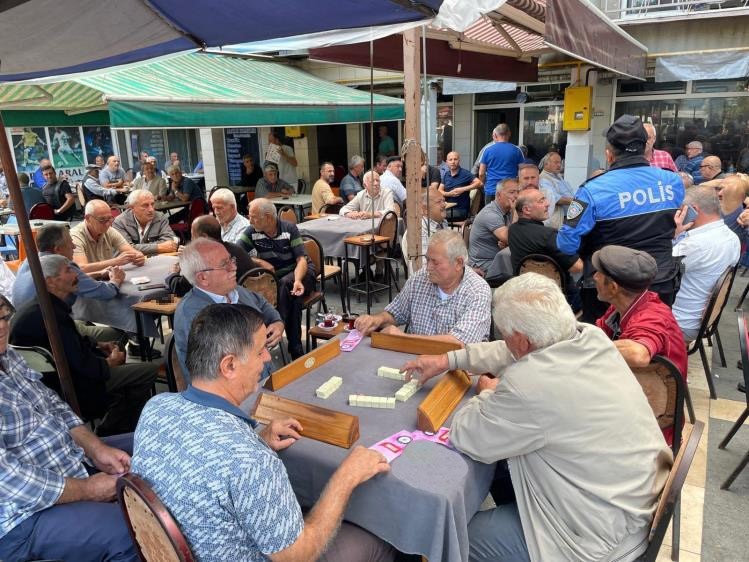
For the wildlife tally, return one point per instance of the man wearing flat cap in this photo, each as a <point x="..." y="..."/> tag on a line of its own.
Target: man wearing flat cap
<point x="631" y="205"/>
<point x="637" y="320"/>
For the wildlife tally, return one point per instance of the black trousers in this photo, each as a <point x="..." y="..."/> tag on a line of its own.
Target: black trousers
<point x="290" y="308"/>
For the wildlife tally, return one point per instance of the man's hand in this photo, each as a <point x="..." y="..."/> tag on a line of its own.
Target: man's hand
<point x="353" y="215"/>
<point x="679" y="218"/>
<point x="297" y="289"/>
<point x="486" y="382"/>
<point x="116" y="358"/>
<point x="743" y="219"/>
<point x="366" y="324"/>
<point x="273" y="334"/>
<point x="362" y="464"/>
<point x="425" y="367"/>
<point x="100" y="487"/>
<point x="280" y="434"/>
<point x="167" y="246"/>
<point x="116" y="275"/>
<point x="393" y="330"/>
<point x="107" y="346"/>
<point x="110" y="460"/>
<point x="139" y="259"/>
<point x="453" y="193"/>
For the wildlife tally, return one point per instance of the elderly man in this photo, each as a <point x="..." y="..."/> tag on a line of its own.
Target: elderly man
<point x="206" y="226"/>
<point x="640" y="325"/>
<point x="709" y="248"/>
<point x="104" y="384"/>
<point x="210" y="269"/>
<point x="457" y="184"/>
<point x="284" y="159"/>
<point x="277" y="246"/>
<point x="373" y="200"/>
<point x="446" y="300"/>
<point x="529" y="178"/>
<point x="691" y="161"/>
<point x="499" y="161"/>
<point x="657" y="158"/>
<point x="237" y="503"/>
<point x="148" y="178"/>
<point x="732" y="192"/>
<point x="225" y="208"/>
<point x="433" y="217"/>
<point x="112" y="176"/>
<point x="182" y="187"/>
<point x="146" y="229"/>
<point x="97" y="246"/>
<point x="47" y="490"/>
<point x="93" y="189"/>
<point x="322" y="194"/>
<point x="710" y="169"/>
<point x="586" y="459"/>
<point x="351" y="184"/>
<point x="551" y="181"/>
<point x="58" y="194"/>
<point x="491" y="225"/>
<point x="632" y="205"/>
<point x="271" y="183"/>
<point x="391" y="179"/>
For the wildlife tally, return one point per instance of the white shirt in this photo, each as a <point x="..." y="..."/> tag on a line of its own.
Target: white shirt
<point x="363" y="202"/>
<point x="708" y="250"/>
<point x="389" y="180"/>
<point x="234" y="229"/>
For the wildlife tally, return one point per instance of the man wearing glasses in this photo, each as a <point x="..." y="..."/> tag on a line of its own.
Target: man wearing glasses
<point x="207" y="265"/>
<point x="98" y="245"/>
<point x="710" y="169"/>
<point x="691" y="161"/>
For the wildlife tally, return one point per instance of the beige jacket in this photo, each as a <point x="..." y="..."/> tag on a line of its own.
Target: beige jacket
<point x="586" y="456"/>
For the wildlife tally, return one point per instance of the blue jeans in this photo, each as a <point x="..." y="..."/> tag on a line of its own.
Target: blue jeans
<point x="496" y="535"/>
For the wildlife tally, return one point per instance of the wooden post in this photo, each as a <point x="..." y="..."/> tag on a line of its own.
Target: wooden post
<point x="45" y="303"/>
<point x="411" y="132"/>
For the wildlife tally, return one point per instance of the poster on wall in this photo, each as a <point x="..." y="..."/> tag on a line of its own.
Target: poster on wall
<point x="98" y="141"/>
<point x="29" y="145"/>
<point x="238" y="142"/>
<point x="67" y="149"/>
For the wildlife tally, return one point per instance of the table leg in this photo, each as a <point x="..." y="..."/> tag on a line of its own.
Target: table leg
<point x="366" y="279"/>
<point x="345" y="277"/>
<point x="142" y="342"/>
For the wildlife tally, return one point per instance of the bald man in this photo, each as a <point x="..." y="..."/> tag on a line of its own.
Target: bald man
<point x="456" y="187"/>
<point x="710" y="169"/>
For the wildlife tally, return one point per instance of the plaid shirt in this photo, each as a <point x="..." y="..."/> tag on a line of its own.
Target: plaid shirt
<point x="662" y="159"/>
<point x="37" y="451"/>
<point x="465" y="315"/>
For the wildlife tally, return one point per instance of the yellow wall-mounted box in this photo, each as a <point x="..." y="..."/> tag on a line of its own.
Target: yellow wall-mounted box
<point x="294" y="132"/>
<point x="578" y="102"/>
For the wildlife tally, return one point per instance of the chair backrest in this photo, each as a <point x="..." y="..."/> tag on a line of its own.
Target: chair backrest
<point x="175" y="378"/>
<point x="38" y="358"/>
<point x="301" y="186"/>
<point x="330" y="209"/>
<point x="716" y="302"/>
<point x="466" y="231"/>
<point x="476" y="201"/>
<point x="314" y="251"/>
<point x="42" y="211"/>
<point x="263" y="282"/>
<point x="115" y="212"/>
<point x="197" y="209"/>
<point x="154" y="531"/>
<point x="287" y="214"/>
<point x="544" y="265"/>
<point x="744" y="350"/>
<point x="671" y="491"/>
<point x="663" y="386"/>
<point x="81" y="194"/>
<point x="389" y="228"/>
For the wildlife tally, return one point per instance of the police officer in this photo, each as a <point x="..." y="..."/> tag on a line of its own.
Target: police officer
<point x="632" y="205"/>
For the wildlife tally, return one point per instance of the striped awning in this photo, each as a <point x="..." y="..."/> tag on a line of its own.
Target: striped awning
<point x="206" y="90"/>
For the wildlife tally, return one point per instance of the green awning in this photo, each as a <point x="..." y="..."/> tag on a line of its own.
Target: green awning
<point x="207" y="90"/>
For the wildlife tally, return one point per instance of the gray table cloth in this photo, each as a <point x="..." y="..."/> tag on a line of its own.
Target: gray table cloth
<point x="117" y="312"/>
<point x="330" y="232"/>
<point x="424" y="504"/>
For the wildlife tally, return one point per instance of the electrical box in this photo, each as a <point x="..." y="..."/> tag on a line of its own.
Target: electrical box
<point x="578" y="102"/>
<point x="294" y="132"/>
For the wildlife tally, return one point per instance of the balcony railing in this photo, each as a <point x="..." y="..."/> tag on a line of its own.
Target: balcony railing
<point x="631" y="10"/>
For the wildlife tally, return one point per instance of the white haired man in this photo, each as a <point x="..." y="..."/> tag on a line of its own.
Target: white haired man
<point x="446" y="300"/>
<point x="586" y="457"/>
<point x="225" y="208"/>
<point x="372" y="200"/>
<point x="351" y="184"/>
<point x="144" y="227"/>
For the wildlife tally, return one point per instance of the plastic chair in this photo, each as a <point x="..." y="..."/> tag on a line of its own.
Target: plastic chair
<point x="116" y="212"/>
<point x="743" y="345"/>
<point x="477" y="198"/>
<point x="197" y="209"/>
<point x="42" y="211"/>
<point x="155" y="533"/>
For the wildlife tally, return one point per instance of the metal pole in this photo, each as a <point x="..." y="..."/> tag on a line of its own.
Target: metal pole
<point x="45" y="303"/>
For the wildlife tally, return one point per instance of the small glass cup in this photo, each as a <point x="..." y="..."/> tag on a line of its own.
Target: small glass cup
<point x="350" y="319"/>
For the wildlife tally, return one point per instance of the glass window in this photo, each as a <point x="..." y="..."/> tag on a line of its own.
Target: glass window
<point x="182" y="141"/>
<point x="487" y="119"/>
<point x="150" y="141"/>
<point x="542" y="131"/>
<point x="639" y="88"/>
<point x="714" y="86"/>
<point x="721" y="124"/>
<point x="496" y="97"/>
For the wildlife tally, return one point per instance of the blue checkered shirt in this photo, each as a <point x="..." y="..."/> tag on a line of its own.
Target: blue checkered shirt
<point x="465" y="315"/>
<point x="37" y="451"/>
<point x="227" y="490"/>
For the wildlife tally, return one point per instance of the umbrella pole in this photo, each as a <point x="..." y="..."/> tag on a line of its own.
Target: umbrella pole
<point x="45" y="303"/>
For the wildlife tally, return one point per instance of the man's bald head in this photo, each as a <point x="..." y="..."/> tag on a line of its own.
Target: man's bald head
<point x="206" y="226"/>
<point x="710" y="167"/>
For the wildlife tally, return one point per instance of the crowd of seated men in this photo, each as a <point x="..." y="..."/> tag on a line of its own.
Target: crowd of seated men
<point x="553" y="469"/>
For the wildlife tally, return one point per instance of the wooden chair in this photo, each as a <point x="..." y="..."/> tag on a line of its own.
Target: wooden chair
<point x="543" y="265"/>
<point x="263" y="282"/>
<point x="743" y="347"/>
<point x="386" y="253"/>
<point x="330" y="209"/>
<point x="287" y="214"/>
<point x="198" y="207"/>
<point x="155" y="533"/>
<point x="466" y="231"/>
<point x="709" y="326"/>
<point x="42" y="211"/>
<point x="329" y="271"/>
<point x="175" y="378"/>
<point x="314" y="250"/>
<point x="669" y="499"/>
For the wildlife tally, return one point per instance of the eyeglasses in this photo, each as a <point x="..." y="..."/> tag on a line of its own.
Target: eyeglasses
<point x="226" y="265"/>
<point x="705" y="166"/>
<point x="103" y="220"/>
